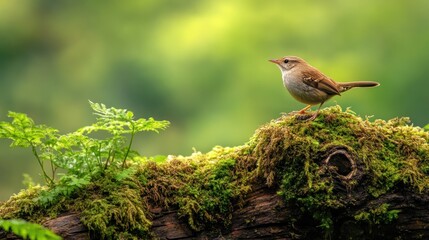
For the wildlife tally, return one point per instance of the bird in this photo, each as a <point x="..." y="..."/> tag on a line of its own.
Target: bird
<point x="309" y="85"/>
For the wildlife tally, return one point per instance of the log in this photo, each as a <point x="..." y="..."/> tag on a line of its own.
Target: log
<point x="68" y="226"/>
<point x="265" y="216"/>
<point x="339" y="177"/>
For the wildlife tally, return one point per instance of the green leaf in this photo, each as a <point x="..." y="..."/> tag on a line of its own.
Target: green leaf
<point x="66" y="186"/>
<point x="125" y="174"/>
<point x="159" y="158"/>
<point x="26" y="229"/>
<point x="92" y="149"/>
<point x="23" y="132"/>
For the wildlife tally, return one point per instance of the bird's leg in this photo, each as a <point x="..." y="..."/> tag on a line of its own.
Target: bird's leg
<point x="317" y="112"/>
<point x="302" y="111"/>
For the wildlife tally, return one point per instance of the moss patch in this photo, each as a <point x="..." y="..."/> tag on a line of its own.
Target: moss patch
<point x="378" y="215"/>
<point x="201" y="187"/>
<point x="390" y="154"/>
<point x="286" y="154"/>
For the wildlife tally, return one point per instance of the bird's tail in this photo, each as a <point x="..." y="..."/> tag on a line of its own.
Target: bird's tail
<point x="344" y="86"/>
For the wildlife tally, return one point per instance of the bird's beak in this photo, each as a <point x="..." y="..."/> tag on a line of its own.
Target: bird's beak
<point x="276" y="61"/>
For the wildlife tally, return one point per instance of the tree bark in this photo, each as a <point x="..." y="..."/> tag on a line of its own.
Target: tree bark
<point x="265" y="216"/>
<point x="358" y="180"/>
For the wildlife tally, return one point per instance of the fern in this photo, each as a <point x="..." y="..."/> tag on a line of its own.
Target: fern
<point x="65" y="187"/>
<point x="28" y="230"/>
<point x="125" y="174"/>
<point x="119" y="122"/>
<point x="24" y="133"/>
<point x="79" y="153"/>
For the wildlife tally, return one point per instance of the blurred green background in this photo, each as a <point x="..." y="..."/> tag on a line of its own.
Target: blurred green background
<point x="201" y="65"/>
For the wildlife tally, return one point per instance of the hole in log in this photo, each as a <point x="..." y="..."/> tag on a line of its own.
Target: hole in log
<point x="342" y="163"/>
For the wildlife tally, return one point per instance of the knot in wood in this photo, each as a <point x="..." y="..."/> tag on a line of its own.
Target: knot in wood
<point x="341" y="163"/>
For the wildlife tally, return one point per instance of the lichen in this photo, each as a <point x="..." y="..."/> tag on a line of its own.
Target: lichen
<point x="285" y="155"/>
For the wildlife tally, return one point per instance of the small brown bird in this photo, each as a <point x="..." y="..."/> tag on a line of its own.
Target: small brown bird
<point x="310" y="86"/>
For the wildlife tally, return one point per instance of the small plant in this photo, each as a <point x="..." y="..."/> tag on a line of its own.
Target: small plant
<point x="80" y="153"/>
<point x="24" y="133"/>
<point x="28" y="230"/>
<point x="378" y="215"/>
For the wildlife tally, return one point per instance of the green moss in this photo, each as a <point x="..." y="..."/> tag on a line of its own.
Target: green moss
<point x="108" y="208"/>
<point x="289" y="152"/>
<point x="114" y="209"/>
<point x="21" y="205"/>
<point x="378" y="215"/>
<point x="284" y="154"/>
<point x="208" y="200"/>
<point x="202" y="186"/>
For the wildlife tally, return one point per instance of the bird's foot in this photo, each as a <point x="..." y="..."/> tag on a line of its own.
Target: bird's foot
<point x="289" y="113"/>
<point x="298" y="114"/>
<point x="313" y="117"/>
<point x="302" y="114"/>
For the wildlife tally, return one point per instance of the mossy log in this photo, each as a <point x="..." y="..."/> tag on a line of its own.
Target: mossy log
<point x="337" y="177"/>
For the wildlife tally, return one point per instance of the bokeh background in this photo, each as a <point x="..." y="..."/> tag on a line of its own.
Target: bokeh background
<point x="201" y="64"/>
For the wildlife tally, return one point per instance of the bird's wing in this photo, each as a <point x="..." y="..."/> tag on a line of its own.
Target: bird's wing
<point x="317" y="80"/>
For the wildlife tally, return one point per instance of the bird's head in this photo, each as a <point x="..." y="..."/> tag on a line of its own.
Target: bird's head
<point x="288" y="63"/>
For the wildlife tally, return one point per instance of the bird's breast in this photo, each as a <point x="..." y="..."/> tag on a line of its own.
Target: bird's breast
<point x="303" y="92"/>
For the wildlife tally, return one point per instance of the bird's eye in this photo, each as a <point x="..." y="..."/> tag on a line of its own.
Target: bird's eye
<point x="286" y="60"/>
